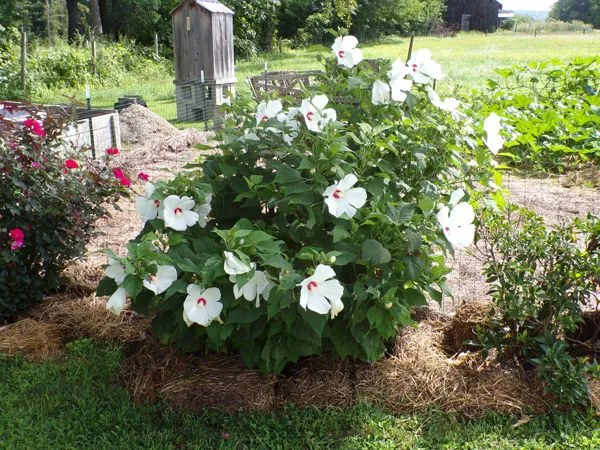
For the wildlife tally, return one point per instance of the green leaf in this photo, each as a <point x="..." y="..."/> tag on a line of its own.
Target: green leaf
<point x="340" y="232"/>
<point x="107" y="286"/>
<point x="133" y="285"/>
<point x="315" y="321"/>
<point x="375" y="252"/>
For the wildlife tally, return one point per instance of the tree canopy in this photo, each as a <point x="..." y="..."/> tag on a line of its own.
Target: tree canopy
<point x="587" y="11"/>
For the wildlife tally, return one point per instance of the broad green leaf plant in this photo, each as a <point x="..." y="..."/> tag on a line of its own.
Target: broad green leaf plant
<point x="318" y="223"/>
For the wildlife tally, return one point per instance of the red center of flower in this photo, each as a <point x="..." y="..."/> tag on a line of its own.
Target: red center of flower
<point x="177" y="210"/>
<point x="265" y="118"/>
<point x="337" y="194"/>
<point x="201" y="301"/>
<point x="341" y="53"/>
<point x="157" y="203"/>
<point x="310" y="115"/>
<point x="414" y="67"/>
<point x="152" y="277"/>
<point x="447" y="228"/>
<point x="311" y="285"/>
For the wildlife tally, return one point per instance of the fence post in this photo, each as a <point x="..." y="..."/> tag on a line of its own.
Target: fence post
<point x="93" y="57"/>
<point x="204" y="113"/>
<point x="266" y="81"/>
<point x="90" y="122"/>
<point x="410" y="46"/>
<point x="280" y="45"/>
<point x="24" y="60"/>
<point x="156" y="46"/>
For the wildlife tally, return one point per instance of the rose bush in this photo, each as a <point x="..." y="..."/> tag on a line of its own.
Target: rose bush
<point x="50" y="197"/>
<point x="318" y="224"/>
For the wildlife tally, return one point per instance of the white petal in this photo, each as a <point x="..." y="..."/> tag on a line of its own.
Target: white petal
<point x="462" y="214"/>
<point x="347" y="182"/>
<point x="443" y="216"/>
<point x="187" y="203"/>
<point x="171" y="202"/>
<point x="318" y="303"/>
<point x="146" y="208"/>
<point x="492" y="124"/>
<point x="463" y="236"/>
<point x="115" y="270"/>
<point x="332" y="206"/>
<point x="456" y="196"/>
<point x="322" y="273"/>
<point x="233" y="265"/>
<point x="349" y="42"/>
<point x="150" y="188"/>
<point x="357" y="197"/>
<point x="320" y="101"/>
<point x="381" y="93"/>
<point x="337" y="44"/>
<point x="331" y="289"/>
<point x="336" y="307"/>
<point x="212" y="294"/>
<point x="194" y="290"/>
<point x="190" y="217"/>
<point x="116" y="302"/>
<point x="273" y="108"/>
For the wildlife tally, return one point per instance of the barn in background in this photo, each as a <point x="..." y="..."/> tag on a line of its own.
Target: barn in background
<point x="480" y="15"/>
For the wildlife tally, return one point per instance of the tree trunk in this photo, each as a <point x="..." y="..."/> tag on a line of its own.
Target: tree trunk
<point x="105" y="16"/>
<point x="95" y="19"/>
<point x="74" y="19"/>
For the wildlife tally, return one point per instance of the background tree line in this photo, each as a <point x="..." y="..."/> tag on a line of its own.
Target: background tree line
<point x="587" y="11"/>
<point x="258" y="23"/>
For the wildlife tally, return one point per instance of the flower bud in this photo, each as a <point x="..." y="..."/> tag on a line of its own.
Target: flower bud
<point x="332" y="259"/>
<point x="242" y="241"/>
<point x="388" y="305"/>
<point x="313" y="170"/>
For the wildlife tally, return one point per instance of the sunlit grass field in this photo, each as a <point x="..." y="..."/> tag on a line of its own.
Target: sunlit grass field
<point x="468" y="59"/>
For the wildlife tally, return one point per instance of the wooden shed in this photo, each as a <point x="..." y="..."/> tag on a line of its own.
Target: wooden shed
<point x="204" y="62"/>
<point x="469" y="15"/>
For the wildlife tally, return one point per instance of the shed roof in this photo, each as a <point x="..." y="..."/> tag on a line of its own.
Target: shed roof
<point x="210" y="5"/>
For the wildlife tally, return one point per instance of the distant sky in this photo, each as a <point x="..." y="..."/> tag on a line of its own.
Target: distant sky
<point x="527" y="5"/>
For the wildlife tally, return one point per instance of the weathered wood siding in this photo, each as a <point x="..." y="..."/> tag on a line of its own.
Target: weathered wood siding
<point x="207" y="46"/>
<point x="222" y="25"/>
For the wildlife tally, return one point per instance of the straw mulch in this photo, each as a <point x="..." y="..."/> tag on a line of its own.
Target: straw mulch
<point x="470" y="318"/>
<point x="594" y="387"/>
<point x="192" y="382"/>
<point x="420" y="376"/>
<point x="32" y="339"/>
<point x="88" y="317"/>
<point x="318" y="381"/>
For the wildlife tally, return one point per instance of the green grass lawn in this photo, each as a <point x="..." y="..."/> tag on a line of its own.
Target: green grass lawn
<point x="75" y="402"/>
<point x="467" y="59"/>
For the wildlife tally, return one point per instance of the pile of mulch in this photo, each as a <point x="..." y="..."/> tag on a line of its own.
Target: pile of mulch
<point x="470" y="319"/>
<point x="420" y="373"/>
<point x="154" y="145"/>
<point x="88" y="317"/>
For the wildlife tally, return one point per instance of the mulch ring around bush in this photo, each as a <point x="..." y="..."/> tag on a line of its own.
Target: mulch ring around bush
<point x="420" y="373"/>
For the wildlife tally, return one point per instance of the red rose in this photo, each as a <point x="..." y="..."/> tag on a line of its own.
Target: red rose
<point x="16" y="234"/>
<point x="126" y="181"/>
<point x="35" y="126"/>
<point x="118" y="173"/>
<point x="112" y="151"/>
<point x="71" y="164"/>
<point x="143" y="176"/>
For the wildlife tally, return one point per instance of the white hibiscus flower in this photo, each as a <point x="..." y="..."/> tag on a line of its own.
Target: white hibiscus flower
<point x="116" y="302"/>
<point x="267" y="110"/>
<point x="149" y="208"/>
<point x="258" y="285"/>
<point x="457" y="224"/>
<point x="235" y="266"/>
<point x="423" y="68"/>
<point x="343" y="200"/>
<point x="346" y="52"/>
<point x="162" y="280"/>
<point x="203" y="210"/>
<point x="315" y="114"/>
<point x="201" y="306"/>
<point x="322" y="294"/>
<point x="398" y="82"/>
<point x="449" y="104"/>
<point x="380" y="94"/>
<point x="492" y="127"/>
<point x="178" y="213"/>
<point x="115" y="270"/>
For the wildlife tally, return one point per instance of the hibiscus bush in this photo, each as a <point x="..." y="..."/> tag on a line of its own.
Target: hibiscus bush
<point x="317" y="224"/>
<point x="50" y="197"/>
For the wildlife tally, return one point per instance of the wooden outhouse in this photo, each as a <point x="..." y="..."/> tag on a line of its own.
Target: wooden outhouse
<point x="204" y="63"/>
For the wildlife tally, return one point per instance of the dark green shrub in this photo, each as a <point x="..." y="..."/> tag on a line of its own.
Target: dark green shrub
<point x="541" y="277"/>
<point x="50" y="197"/>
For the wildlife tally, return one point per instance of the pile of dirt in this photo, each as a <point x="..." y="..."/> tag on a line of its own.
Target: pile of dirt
<point x="32" y="339"/>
